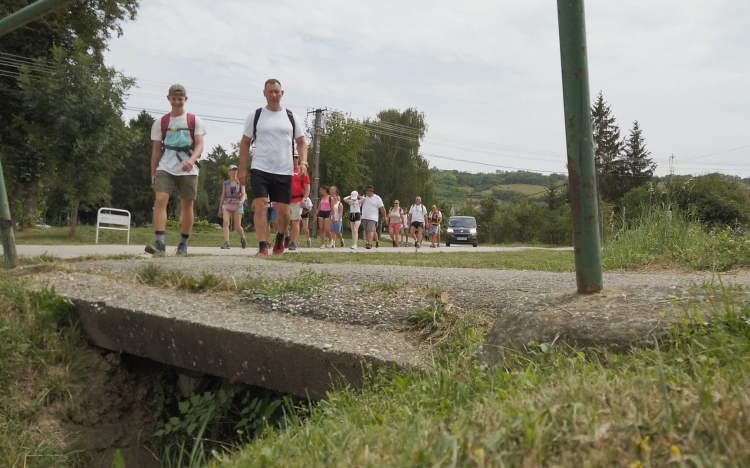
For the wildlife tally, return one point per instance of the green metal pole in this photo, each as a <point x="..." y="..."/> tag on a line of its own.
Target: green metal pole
<point x="6" y="226"/>
<point x="31" y="13"/>
<point x="580" y="147"/>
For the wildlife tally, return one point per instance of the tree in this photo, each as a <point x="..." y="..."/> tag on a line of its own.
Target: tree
<point x="638" y="165"/>
<point x="397" y="170"/>
<point x="343" y="151"/>
<point x="91" y="23"/>
<point x="133" y="190"/>
<point x="75" y="123"/>
<point x="607" y="148"/>
<point x="555" y="197"/>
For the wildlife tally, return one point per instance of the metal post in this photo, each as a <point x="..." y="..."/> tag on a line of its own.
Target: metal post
<point x="580" y="147"/>
<point x="28" y="14"/>
<point x="316" y="163"/>
<point x="6" y="226"/>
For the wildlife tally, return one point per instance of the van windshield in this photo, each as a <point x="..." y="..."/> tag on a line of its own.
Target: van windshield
<point x="462" y="222"/>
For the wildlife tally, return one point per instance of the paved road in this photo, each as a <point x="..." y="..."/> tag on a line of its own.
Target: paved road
<point x="73" y="251"/>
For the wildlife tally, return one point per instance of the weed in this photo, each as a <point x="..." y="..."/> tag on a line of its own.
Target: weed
<point x="387" y="287"/>
<point x="25" y="260"/>
<point x="306" y="282"/>
<point x="155" y="275"/>
<point x="150" y="273"/>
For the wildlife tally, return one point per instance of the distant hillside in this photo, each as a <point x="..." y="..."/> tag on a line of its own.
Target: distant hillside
<point x="457" y="187"/>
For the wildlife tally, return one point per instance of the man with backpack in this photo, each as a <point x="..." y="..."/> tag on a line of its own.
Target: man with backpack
<point x="178" y="143"/>
<point x="274" y="130"/>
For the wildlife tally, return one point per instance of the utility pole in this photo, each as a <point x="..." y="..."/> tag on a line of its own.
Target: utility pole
<point x="580" y="146"/>
<point x="18" y="19"/>
<point x="316" y="163"/>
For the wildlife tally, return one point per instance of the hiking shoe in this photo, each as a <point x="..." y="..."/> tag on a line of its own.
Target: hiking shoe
<point x="278" y="245"/>
<point x="368" y="246"/>
<point x="309" y="243"/>
<point x="157" y="248"/>
<point x="182" y="249"/>
<point x="292" y="246"/>
<point x="262" y="250"/>
<point x="377" y="244"/>
<point x="394" y="243"/>
<point x="243" y="242"/>
<point x="225" y="246"/>
<point x="342" y="244"/>
<point x="287" y="242"/>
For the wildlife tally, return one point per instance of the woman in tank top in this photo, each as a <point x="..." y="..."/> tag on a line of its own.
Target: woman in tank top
<point x="355" y="215"/>
<point x="232" y="206"/>
<point x="337" y="218"/>
<point x="323" y="215"/>
<point x="394" y="223"/>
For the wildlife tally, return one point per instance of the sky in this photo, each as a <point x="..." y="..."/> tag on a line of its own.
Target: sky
<point x="486" y="73"/>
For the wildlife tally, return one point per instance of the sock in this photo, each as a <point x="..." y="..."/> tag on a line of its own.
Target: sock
<point x="160" y="236"/>
<point x="263" y="245"/>
<point x="184" y="239"/>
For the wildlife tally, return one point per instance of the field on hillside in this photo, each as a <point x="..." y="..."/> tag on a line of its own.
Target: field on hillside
<point x="525" y="189"/>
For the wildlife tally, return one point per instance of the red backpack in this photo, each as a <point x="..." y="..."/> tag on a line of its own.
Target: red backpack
<point x="178" y="149"/>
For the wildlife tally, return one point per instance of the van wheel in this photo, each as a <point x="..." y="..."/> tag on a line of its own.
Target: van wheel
<point x="447" y="244"/>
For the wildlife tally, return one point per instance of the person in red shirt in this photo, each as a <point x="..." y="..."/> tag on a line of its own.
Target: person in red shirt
<point x="300" y="194"/>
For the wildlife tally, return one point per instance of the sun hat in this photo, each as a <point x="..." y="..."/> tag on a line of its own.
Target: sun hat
<point x="232" y="167"/>
<point x="354" y="194"/>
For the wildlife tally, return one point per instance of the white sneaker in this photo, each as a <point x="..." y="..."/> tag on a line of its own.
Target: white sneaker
<point x="322" y="246"/>
<point x="354" y="247"/>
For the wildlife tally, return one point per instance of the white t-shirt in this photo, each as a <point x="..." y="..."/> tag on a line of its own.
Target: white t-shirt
<point x="169" y="161"/>
<point x="418" y="212"/>
<point x="335" y="211"/>
<point x="371" y="207"/>
<point x="273" y="147"/>
<point x="353" y="205"/>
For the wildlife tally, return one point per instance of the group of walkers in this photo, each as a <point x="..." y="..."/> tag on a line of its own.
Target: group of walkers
<point x="279" y="185"/>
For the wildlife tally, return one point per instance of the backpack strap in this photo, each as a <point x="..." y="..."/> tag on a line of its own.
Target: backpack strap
<point x="255" y="123"/>
<point x="294" y="128"/>
<point x="191" y="127"/>
<point x="164" y="129"/>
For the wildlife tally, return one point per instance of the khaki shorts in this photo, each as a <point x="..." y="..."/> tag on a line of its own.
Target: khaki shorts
<point x="187" y="185"/>
<point x="296" y="211"/>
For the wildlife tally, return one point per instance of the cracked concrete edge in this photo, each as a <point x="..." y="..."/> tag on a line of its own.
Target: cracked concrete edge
<point x="265" y="357"/>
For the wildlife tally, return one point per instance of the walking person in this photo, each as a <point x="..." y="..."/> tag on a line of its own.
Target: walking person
<point x="300" y="195"/>
<point x="371" y="207"/>
<point x="178" y="144"/>
<point x="306" y="210"/>
<point x="395" y="219"/>
<point x="404" y="227"/>
<point x="337" y="218"/>
<point x="434" y="219"/>
<point x="232" y="206"/>
<point x="417" y="221"/>
<point x="274" y="130"/>
<point x="323" y="215"/>
<point x="355" y="215"/>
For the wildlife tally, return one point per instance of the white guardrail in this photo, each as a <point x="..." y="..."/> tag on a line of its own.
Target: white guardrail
<point x="112" y="217"/>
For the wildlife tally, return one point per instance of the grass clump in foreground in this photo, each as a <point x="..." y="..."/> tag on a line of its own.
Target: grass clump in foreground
<point x="37" y="346"/>
<point x="533" y="259"/>
<point x="683" y="403"/>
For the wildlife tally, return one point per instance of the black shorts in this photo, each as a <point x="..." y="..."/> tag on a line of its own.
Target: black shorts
<point x="278" y="187"/>
<point x="417" y="225"/>
<point x="324" y="214"/>
<point x="305" y="215"/>
<point x="354" y="217"/>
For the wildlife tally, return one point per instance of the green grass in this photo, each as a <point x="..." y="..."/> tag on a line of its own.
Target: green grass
<point x="523" y="189"/>
<point x="674" y="238"/>
<point x="536" y="260"/>
<point x="682" y="404"/>
<point x="38" y="345"/>
<point x="201" y="237"/>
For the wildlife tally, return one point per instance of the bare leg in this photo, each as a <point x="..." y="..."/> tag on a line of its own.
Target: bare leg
<point x="306" y="228"/>
<point x="237" y="226"/>
<point x="262" y="227"/>
<point x="295" y="231"/>
<point x="187" y="216"/>
<point x="227" y="217"/>
<point x="160" y="211"/>
<point x="283" y="214"/>
<point x="355" y="232"/>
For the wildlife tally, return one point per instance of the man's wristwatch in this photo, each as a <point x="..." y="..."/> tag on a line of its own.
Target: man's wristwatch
<point x="302" y="163"/>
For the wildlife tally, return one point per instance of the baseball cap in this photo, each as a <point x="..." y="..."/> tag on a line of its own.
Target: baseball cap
<point x="177" y="90"/>
<point x="369" y="187"/>
<point x="232" y="166"/>
<point x="354" y="194"/>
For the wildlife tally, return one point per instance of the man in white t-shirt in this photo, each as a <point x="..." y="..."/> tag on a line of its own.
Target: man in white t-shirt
<point x="417" y="221"/>
<point x="372" y="206"/>
<point x="274" y="130"/>
<point x="178" y="143"/>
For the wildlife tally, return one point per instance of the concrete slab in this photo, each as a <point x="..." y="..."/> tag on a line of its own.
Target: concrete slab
<point x="227" y="337"/>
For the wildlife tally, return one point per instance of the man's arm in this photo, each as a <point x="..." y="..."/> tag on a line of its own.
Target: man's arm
<point x="244" y="153"/>
<point x="382" y="211"/>
<point x="187" y="166"/>
<point x="155" y="157"/>
<point x="306" y="188"/>
<point x="302" y="150"/>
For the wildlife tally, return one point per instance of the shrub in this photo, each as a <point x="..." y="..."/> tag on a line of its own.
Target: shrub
<point x="714" y="199"/>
